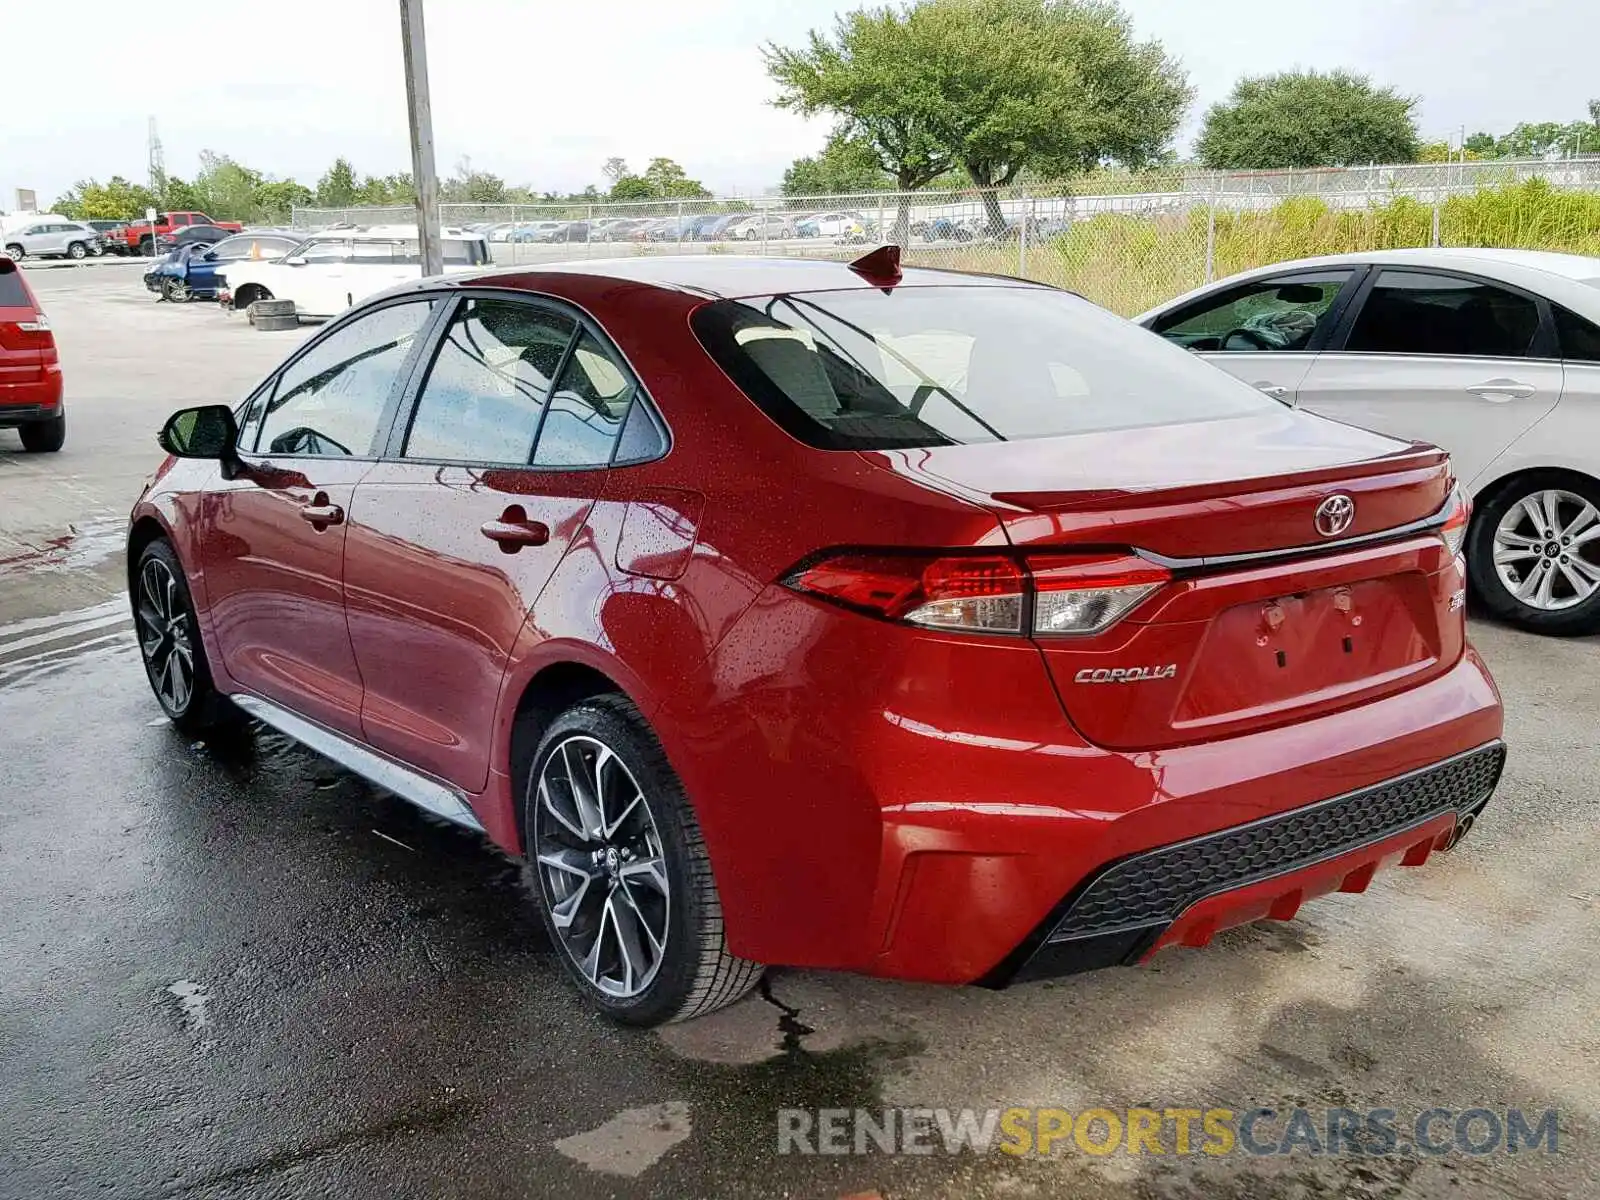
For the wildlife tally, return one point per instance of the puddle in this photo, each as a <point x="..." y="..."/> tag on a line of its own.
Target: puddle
<point x="40" y="646"/>
<point x="85" y="544"/>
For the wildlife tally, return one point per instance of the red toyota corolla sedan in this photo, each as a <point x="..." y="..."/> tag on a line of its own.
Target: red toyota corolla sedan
<point x="929" y="625"/>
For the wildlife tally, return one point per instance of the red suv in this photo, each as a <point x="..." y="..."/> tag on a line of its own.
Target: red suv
<point x="935" y="626"/>
<point x="30" y="371"/>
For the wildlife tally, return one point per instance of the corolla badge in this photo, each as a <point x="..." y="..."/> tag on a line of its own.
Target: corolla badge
<point x="1125" y="674"/>
<point x="1335" y="514"/>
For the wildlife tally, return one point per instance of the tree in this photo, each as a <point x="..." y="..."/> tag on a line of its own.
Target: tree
<point x="845" y="165"/>
<point x="1481" y="144"/>
<point x="276" y="199"/>
<point x="178" y="196"/>
<point x="337" y="188"/>
<point x="993" y="86"/>
<point x="883" y="96"/>
<point x="1308" y="119"/>
<point x="615" y="169"/>
<point x="669" y="181"/>
<point x="1058" y="85"/>
<point x="226" y="189"/>
<point x="116" y="200"/>
<point x="632" y="187"/>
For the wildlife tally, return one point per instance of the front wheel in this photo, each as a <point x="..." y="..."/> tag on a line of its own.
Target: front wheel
<point x="1534" y="553"/>
<point x="169" y="642"/>
<point x="77" y="251"/>
<point x="175" y="290"/>
<point x="44" y="437"/>
<point x="16" y="251"/>
<point x="620" y="873"/>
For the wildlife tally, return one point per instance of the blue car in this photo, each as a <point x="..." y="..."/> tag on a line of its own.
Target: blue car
<point x="190" y="272"/>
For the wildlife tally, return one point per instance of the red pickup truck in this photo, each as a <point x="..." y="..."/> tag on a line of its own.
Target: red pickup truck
<point x="138" y="237"/>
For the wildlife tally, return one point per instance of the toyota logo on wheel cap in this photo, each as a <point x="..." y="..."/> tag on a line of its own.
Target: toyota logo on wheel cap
<point x="1334" y="515"/>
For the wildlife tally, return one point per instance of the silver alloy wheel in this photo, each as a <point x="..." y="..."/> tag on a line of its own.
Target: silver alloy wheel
<point x="77" y="250"/>
<point x="164" y="636"/>
<point x="177" y="290"/>
<point x="1547" y="550"/>
<point x="601" y="866"/>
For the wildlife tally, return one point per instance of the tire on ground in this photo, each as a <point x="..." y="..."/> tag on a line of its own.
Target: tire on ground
<point x="206" y="709"/>
<point x="697" y="973"/>
<point x="44" y="437"/>
<point x="1490" y="510"/>
<point x="272" y="323"/>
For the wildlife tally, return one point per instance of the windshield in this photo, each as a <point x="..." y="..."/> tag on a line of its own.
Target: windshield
<point x="928" y="366"/>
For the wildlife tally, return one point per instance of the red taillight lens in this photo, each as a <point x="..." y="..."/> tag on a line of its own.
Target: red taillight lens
<point x="1071" y="595"/>
<point x="1454" y="529"/>
<point x="976" y="594"/>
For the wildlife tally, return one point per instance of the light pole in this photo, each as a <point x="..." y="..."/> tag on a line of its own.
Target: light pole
<point x="419" y="113"/>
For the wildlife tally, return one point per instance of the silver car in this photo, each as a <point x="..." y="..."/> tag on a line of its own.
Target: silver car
<point x="53" y="236"/>
<point x="1492" y="354"/>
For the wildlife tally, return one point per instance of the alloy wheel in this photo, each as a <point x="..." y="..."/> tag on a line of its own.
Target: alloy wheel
<point x="601" y="866"/>
<point x="165" y="636"/>
<point x="1547" y="550"/>
<point x="175" y="290"/>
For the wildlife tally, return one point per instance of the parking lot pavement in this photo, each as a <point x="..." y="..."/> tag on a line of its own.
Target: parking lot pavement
<point x="234" y="970"/>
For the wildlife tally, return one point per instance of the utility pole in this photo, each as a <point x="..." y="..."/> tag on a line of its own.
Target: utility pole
<point x="419" y="113"/>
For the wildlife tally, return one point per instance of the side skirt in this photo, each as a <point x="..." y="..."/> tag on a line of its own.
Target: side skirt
<point x="428" y="794"/>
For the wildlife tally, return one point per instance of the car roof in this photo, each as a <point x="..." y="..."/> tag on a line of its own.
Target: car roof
<point x="384" y="233"/>
<point x="728" y="276"/>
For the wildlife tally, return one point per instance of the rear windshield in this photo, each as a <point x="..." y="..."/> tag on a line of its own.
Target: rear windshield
<point x="931" y="366"/>
<point x="12" y="294"/>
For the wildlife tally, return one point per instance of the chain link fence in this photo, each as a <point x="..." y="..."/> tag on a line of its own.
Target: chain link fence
<point x="1124" y="250"/>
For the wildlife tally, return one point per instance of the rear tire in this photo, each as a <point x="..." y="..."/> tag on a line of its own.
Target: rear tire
<point x="16" y="251"/>
<point x="147" y="247"/>
<point x="1544" y="527"/>
<point x="619" y="872"/>
<point x="169" y="643"/>
<point x="44" y="437"/>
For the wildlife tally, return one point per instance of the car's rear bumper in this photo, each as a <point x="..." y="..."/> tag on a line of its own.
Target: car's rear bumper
<point x="919" y="807"/>
<point x="36" y="400"/>
<point x="1186" y="893"/>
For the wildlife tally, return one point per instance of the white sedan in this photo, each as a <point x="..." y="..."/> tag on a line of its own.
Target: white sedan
<point x="330" y="271"/>
<point x="1492" y="354"/>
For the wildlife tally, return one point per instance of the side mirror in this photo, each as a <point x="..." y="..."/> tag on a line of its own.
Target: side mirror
<point x="205" y="432"/>
<point x="297" y="260"/>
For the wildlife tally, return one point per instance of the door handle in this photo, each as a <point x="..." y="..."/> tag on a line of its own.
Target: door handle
<point x="514" y="530"/>
<point x="1502" y="387"/>
<point x="321" y="513"/>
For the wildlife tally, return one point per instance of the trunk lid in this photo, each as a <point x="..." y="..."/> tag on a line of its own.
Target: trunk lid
<point x="1295" y="626"/>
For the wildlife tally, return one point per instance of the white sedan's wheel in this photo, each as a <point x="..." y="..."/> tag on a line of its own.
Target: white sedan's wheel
<point x="1534" y="556"/>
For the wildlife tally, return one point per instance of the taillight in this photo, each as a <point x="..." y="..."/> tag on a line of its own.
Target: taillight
<point x="977" y="594"/>
<point x="1454" y="529"/>
<point x="1085" y="595"/>
<point x="1049" y="595"/>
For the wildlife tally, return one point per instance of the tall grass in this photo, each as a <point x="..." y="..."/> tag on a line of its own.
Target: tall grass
<point x="1129" y="263"/>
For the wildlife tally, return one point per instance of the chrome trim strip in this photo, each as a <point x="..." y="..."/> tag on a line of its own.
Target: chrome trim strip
<point x="427" y="794"/>
<point x="1261" y="556"/>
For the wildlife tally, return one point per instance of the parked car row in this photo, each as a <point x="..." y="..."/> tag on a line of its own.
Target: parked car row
<point x="770" y="225"/>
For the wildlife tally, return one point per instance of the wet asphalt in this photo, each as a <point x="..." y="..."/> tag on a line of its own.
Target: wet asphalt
<point x="232" y="969"/>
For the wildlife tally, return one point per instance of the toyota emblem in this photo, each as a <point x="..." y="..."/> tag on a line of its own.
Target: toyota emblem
<point x="1334" y="515"/>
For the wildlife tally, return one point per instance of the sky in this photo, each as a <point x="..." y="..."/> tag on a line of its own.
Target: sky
<point x="542" y="94"/>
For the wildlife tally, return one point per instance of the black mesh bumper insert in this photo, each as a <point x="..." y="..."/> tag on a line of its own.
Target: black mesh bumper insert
<point x="1117" y="914"/>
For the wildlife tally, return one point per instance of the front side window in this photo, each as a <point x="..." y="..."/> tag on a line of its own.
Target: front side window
<point x="1414" y="312"/>
<point x="1269" y="314"/>
<point x="587" y="410"/>
<point x="329" y="401"/>
<point x="488" y="386"/>
<point x="327" y="251"/>
<point x="930" y="366"/>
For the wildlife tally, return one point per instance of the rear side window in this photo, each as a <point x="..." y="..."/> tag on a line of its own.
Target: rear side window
<point x="929" y="366"/>
<point x="1580" y="339"/>
<point x="489" y="384"/>
<point x="587" y="410"/>
<point x="1411" y="312"/>
<point x="12" y="293"/>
